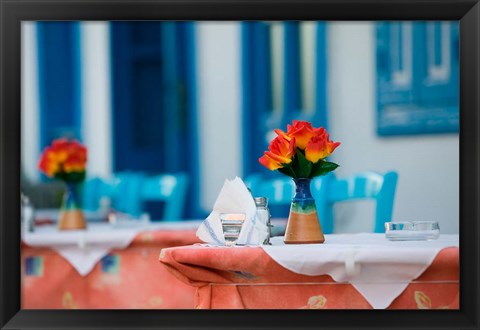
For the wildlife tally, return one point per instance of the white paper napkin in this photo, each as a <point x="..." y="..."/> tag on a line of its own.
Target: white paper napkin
<point x="234" y="197"/>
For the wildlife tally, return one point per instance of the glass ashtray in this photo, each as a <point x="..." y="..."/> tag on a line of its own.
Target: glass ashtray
<point x="412" y="231"/>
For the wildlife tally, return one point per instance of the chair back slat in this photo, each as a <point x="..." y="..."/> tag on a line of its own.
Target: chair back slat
<point x="360" y="186"/>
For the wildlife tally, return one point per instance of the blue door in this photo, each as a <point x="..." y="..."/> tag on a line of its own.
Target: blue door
<point x="154" y="108"/>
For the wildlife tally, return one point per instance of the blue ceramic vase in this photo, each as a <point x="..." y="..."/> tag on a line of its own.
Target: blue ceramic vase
<point x="303" y="225"/>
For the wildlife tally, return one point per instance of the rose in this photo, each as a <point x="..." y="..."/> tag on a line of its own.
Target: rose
<point x="281" y="151"/>
<point x="302" y="131"/>
<point x="301" y="151"/>
<point x="320" y="147"/>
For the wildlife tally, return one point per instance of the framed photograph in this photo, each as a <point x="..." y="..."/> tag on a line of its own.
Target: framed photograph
<point x="185" y="94"/>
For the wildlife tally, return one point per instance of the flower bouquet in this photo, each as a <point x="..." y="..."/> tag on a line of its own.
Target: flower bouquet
<point x="67" y="160"/>
<point x="301" y="153"/>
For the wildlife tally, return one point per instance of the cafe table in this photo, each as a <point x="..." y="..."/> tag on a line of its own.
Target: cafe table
<point x="348" y="271"/>
<point x="126" y="277"/>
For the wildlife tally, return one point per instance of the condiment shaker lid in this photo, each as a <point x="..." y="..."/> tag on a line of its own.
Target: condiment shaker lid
<point x="261" y="201"/>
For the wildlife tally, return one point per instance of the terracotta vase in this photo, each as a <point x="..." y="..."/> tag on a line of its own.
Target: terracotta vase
<point x="71" y="215"/>
<point x="303" y="226"/>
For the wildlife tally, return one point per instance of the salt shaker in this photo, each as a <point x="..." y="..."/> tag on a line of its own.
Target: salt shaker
<point x="263" y="215"/>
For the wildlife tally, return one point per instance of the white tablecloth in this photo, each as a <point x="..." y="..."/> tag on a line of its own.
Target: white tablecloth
<point x="84" y="248"/>
<point x="378" y="268"/>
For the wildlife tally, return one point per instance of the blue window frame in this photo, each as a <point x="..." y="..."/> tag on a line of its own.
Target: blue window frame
<point x="260" y="115"/>
<point x="59" y="76"/>
<point x="154" y="102"/>
<point x="417" y="78"/>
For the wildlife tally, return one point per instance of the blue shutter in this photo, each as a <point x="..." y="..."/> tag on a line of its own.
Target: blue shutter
<point x="417" y="78"/>
<point x="395" y="62"/>
<point x="440" y="83"/>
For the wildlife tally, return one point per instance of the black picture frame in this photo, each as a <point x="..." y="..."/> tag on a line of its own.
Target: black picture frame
<point x="14" y="11"/>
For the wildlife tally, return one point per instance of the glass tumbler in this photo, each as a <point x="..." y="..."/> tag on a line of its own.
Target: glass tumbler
<point x="232" y="225"/>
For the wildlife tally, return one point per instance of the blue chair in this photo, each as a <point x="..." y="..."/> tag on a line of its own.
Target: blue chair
<point x="128" y="191"/>
<point x="279" y="191"/>
<point x="168" y="188"/>
<point x="328" y="190"/>
<point x="94" y="189"/>
<point x="122" y="189"/>
<point x="127" y="197"/>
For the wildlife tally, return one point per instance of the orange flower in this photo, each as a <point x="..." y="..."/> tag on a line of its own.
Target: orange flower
<point x="320" y="147"/>
<point x="48" y="162"/>
<point x="302" y="131"/>
<point x="301" y="151"/>
<point x="281" y="151"/>
<point x="63" y="157"/>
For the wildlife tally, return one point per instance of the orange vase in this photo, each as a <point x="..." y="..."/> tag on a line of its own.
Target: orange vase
<point x="71" y="215"/>
<point x="303" y="226"/>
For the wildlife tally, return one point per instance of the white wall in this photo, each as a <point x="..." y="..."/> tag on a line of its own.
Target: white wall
<point x="219" y="106"/>
<point x="96" y="97"/>
<point x="428" y="166"/>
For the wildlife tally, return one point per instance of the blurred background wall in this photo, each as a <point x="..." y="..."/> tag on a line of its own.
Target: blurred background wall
<point x="427" y="164"/>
